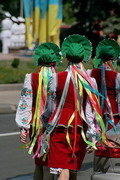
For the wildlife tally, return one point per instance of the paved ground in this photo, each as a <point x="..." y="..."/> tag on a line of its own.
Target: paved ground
<point x="9" y="97"/>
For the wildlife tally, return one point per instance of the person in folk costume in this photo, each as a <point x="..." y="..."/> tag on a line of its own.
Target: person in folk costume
<point x="108" y="81"/>
<point x="76" y="121"/>
<point x="33" y="100"/>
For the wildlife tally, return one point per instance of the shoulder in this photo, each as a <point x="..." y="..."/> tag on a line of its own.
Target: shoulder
<point x="118" y="76"/>
<point x="27" y="77"/>
<point x="89" y="71"/>
<point x="62" y="73"/>
<point x="93" y="80"/>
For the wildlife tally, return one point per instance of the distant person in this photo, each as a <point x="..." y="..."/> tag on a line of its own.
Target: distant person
<point x="33" y="100"/>
<point x="108" y="81"/>
<point x="72" y="124"/>
<point x="6" y="25"/>
<point x="14" y="42"/>
<point x="22" y="31"/>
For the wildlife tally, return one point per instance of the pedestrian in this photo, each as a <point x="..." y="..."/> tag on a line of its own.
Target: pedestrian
<point x="108" y="81"/>
<point x="76" y="120"/>
<point x="6" y="25"/>
<point x="33" y="100"/>
<point x="22" y="31"/>
<point x="14" y="41"/>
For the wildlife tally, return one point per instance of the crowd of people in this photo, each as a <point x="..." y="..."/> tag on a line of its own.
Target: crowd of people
<point x="12" y="32"/>
<point x="64" y="115"/>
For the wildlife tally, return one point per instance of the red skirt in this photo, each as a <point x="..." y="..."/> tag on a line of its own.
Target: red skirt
<point x="60" y="153"/>
<point x="40" y="162"/>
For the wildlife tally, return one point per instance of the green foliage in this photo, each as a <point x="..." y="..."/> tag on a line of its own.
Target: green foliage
<point x="13" y="6"/>
<point x="8" y="74"/>
<point x="88" y="12"/>
<point x="15" y="63"/>
<point x="68" y="15"/>
<point x="1" y="16"/>
<point x="112" y="24"/>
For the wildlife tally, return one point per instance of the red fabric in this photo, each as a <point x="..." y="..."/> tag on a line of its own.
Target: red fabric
<point x="110" y="78"/>
<point x="69" y="105"/>
<point x="60" y="154"/>
<point x="35" y="77"/>
<point x="108" y="152"/>
<point x="34" y="89"/>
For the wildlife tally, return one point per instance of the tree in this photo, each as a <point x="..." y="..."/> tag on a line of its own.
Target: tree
<point x="89" y="11"/>
<point x="95" y="19"/>
<point x="12" y="6"/>
<point x="1" y="11"/>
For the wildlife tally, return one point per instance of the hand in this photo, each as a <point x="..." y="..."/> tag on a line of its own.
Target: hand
<point x="23" y="135"/>
<point x="90" y="149"/>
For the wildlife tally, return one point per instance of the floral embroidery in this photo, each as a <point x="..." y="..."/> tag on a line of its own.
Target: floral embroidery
<point x="26" y="92"/>
<point x="56" y="170"/>
<point x="52" y="94"/>
<point x="24" y="121"/>
<point x="23" y="105"/>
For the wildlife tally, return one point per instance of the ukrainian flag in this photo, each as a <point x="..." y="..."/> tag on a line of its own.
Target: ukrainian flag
<point x="27" y="12"/>
<point x="54" y="20"/>
<point x="37" y="15"/>
<point x="46" y="16"/>
<point x="56" y="37"/>
<point x="43" y="22"/>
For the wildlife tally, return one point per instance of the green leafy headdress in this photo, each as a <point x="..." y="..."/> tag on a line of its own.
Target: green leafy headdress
<point x="47" y="53"/>
<point x="76" y="48"/>
<point x="107" y="49"/>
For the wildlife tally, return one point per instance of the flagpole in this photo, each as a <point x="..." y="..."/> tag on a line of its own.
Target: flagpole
<point x="21" y="8"/>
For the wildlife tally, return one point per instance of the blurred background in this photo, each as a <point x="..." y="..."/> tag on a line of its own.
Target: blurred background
<point x="46" y="20"/>
<point x="27" y="23"/>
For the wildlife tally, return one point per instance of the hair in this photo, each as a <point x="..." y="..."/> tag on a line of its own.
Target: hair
<point x="75" y="59"/>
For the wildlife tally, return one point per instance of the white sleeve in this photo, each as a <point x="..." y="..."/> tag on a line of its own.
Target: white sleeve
<point x="90" y="115"/>
<point x="118" y="91"/>
<point x="89" y="71"/>
<point x="90" y="120"/>
<point x="24" y="110"/>
<point x="50" y="100"/>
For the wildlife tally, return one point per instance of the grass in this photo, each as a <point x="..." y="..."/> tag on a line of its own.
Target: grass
<point x="9" y="74"/>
